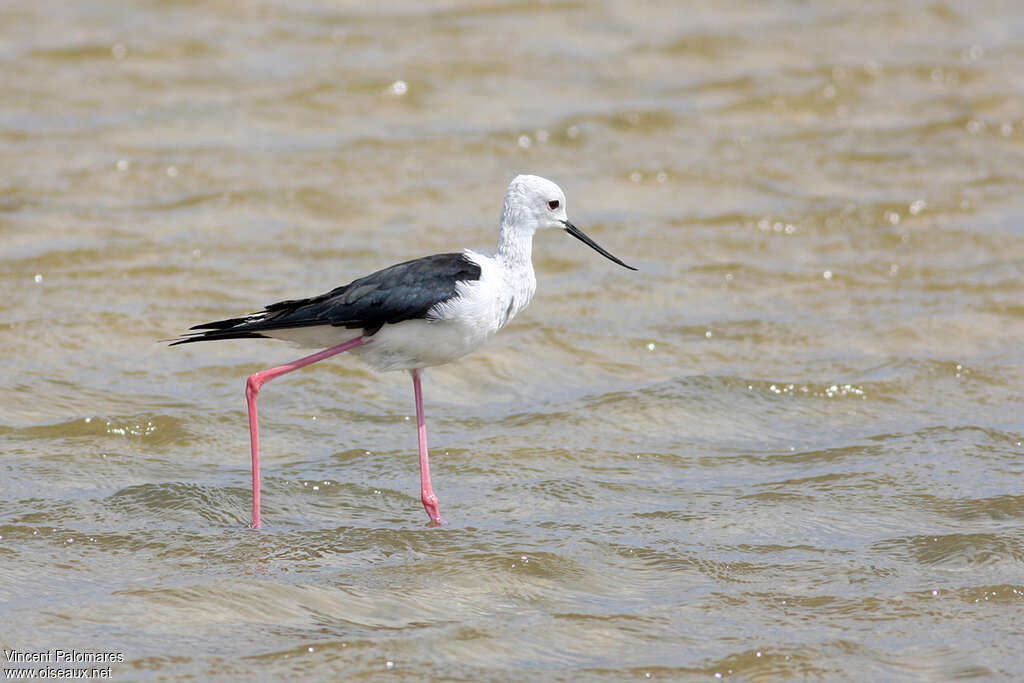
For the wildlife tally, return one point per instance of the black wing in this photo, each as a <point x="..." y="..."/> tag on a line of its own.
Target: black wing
<point x="405" y="291"/>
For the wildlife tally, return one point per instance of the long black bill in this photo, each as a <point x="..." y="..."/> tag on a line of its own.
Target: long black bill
<point x="578" y="234"/>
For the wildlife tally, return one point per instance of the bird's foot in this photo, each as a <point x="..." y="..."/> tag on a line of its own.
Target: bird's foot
<point x="430" y="505"/>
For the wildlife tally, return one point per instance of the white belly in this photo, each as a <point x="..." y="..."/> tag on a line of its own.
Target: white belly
<point x="418" y="344"/>
<point x="403" y="346"/>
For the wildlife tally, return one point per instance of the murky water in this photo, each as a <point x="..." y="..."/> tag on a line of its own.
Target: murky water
<point x="789" y="447"/>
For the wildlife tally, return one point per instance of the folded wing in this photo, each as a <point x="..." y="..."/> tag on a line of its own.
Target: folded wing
<point x="405" y="291"/>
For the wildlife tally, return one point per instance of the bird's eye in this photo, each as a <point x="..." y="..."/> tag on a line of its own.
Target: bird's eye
<point x="553" y="204"/>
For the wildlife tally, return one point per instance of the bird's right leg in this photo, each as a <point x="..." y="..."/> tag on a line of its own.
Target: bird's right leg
<point x="252" y="389"/>
<point x="426" y="490"/>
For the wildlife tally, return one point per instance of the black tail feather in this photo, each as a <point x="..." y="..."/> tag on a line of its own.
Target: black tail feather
<point x="221" y="324"/>
<point x="214" y="335"/>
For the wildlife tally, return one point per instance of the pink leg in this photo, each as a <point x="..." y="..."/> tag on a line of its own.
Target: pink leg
<point x="426" y="490"/>
<point x="252" y="388"/>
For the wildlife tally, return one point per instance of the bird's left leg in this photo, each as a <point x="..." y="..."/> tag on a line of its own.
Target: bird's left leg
<point x="252" y="390"/>
<point x="426" y="490"/>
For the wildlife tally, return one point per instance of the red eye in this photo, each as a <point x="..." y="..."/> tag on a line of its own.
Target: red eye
<point x="553" y="204"/>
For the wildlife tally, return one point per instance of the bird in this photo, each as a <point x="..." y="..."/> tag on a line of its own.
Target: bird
<point x="413" y="315"/>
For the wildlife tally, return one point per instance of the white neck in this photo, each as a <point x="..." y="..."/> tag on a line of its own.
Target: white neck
<point x="515" y="247"/>
<point x="514" y="257"/>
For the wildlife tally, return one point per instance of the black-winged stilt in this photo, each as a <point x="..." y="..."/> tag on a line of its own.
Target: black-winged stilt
<point x="413" y="315"/>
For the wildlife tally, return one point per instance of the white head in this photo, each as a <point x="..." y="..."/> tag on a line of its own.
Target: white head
<point x="533" y="203"/>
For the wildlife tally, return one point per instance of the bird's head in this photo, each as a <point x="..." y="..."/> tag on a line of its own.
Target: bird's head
<point x="533" y="203"/>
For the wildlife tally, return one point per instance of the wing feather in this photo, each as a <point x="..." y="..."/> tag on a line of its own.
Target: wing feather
<point x="405" y="291"/>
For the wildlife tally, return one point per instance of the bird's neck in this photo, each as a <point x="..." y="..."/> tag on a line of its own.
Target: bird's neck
<point x="515" y="248"/>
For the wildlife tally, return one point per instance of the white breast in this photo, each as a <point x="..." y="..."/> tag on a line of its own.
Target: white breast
<point x="457" y="326"/>
<point x="486" y="305"/>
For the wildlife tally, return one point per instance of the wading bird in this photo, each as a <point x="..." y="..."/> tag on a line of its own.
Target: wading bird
<point x="413" y="315"/>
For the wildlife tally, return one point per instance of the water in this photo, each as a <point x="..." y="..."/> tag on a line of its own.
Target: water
<point x="789" y="447"/>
